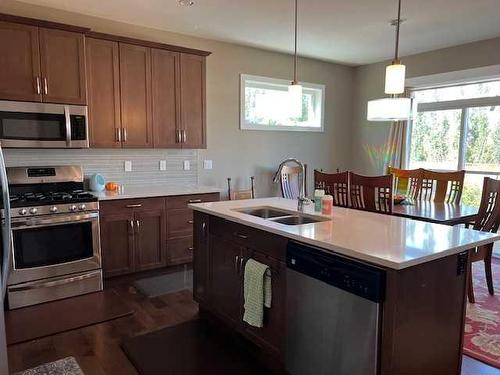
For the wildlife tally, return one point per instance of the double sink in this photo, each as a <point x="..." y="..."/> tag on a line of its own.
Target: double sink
<point x="281" y="216"/>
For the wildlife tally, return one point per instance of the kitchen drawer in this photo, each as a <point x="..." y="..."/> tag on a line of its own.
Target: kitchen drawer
<point x="180" y="222"/>
<point x="181" y="201"/>
<point x="180" y="250"/>
<point x="265" y="242"/>
<point x="121" y="205"/>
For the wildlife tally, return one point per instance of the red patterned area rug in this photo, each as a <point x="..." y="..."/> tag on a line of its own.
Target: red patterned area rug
<point x="482" y="325"/>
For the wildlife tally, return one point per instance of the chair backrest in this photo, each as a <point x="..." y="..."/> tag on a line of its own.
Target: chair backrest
<point x="488" y="218"/>
<point x="334" y="184"/>
<point x="290" y="181"/>
<point x="240" y="194"/>
<point x="371" y="193"/>
<point x="441" y="186"/>
<point x="407" y="182"/>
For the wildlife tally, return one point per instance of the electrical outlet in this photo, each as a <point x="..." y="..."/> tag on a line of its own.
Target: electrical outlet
<point x="207" y="164"/>
<point x="187" y="165"/>
<point x="163" y="165"/>
<point x="128" y="166"/>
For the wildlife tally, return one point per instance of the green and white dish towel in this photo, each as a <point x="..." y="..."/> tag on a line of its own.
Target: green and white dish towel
<point x="257" y="292"/>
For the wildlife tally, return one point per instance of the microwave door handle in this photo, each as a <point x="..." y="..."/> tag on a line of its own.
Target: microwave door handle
<point x="6" y="228"/>
<point x="67" y="119"/>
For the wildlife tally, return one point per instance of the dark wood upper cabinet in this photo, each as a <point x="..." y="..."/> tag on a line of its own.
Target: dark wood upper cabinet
<point x="62" y="56"/>
<point x="20" y="77"/>
<point x="103" y="80"/>
<point x="192" y="100"/>
<point x="165" y="90"/>
<point x="135" y="90"/>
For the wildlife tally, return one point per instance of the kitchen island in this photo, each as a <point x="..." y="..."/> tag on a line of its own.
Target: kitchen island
<point x="420" y="313"/>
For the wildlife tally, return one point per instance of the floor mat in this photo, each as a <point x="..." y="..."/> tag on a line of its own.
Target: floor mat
<point x="191" y="348"/>
<point x="59" y="316"/>
<point x="482" y="324"/>
<point x="164" y="284"/>
<point x="65" y="366"/>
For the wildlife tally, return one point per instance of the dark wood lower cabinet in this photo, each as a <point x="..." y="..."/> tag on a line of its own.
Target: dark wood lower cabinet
<point x="150" y="241"/>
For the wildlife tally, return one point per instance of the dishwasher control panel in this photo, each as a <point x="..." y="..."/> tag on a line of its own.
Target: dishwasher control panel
<point x="354" y="277"/>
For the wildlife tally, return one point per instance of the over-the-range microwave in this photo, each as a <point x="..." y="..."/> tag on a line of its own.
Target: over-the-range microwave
<point x="43" y="125"/>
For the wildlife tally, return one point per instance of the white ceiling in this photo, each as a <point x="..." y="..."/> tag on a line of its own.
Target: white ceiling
<point x="347" y="31"/>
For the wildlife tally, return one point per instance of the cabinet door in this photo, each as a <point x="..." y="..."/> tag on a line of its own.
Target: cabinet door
<point x="117" y="243"/>
<point x="20" y="62"/>
<point x="180" y="222"/>
<point x="180" y="250"/>
<point x="135" y="90"/>
<point x="192" y="96"/>
<point x="103" y="82"/>
<point x="225" y="280"/>
<point x="201" y="257"/>
<point x="271" y="335"/>
<point x="62" y="56"/>
<point x="150" y="239"/>
<point x="165" y="82"/>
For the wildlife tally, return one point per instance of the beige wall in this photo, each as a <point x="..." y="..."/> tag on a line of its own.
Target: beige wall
<point x="369" y="84"/>
<point x="235" y="153"/>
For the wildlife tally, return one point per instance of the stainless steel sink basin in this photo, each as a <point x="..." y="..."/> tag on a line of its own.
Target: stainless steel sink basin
<point x="299" y="220"/>
<point x="264" y="212"/>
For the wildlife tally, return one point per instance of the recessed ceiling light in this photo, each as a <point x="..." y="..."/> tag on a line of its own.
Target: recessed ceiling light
<point x="186" y="3"/>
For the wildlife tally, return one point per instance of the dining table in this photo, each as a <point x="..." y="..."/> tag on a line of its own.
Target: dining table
<point x="436" y="212"/>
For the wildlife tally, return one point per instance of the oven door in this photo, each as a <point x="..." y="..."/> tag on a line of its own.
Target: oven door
<point x="54" y="246"/>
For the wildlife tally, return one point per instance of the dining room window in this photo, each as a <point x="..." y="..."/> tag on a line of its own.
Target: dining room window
<point x="457" y="128"/>
<point x="265" y="105"/>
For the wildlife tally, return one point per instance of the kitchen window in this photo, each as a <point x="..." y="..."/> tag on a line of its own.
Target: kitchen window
<point x="265" y="105"/>
<point x="458" y="128"/>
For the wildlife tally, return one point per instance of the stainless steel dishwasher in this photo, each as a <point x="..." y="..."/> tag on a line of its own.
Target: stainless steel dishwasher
<point x="333" y="313"/>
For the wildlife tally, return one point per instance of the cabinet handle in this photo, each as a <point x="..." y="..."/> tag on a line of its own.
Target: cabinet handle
<point x="190" y="248"/>
<point x="45" y="86"/>
<point x="242" y="236"/>
<point x="241" y="264"/>
<point x="194" y="201"/>
<point x="118" y="135"/>
<point x="190" y="222"/>
<point x="236" y="260"/>
<point x="204" y="228"/>
<point x="38" y="87"/>
<point x="133" y="205"/>
<point x="124" y="134"/>
<point x="131" y="222"/>
<point x="138" y="225"/>
<point x="177" y="136"/>
<point x="184" y="136"/>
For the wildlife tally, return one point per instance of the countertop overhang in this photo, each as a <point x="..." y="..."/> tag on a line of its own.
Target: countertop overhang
<point x="384" y="240"/>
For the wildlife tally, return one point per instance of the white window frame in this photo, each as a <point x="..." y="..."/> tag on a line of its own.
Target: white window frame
<point x="464" y="105"/>
<point x="244" y="125"/>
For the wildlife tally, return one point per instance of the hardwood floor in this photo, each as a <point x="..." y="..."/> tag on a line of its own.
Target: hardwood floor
<point x="97" y="348"/>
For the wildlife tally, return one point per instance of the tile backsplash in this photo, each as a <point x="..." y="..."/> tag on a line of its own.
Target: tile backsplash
<point x="110" y="163"/>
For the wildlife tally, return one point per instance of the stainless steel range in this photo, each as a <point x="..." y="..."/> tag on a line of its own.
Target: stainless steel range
<point x="55" y="236"/>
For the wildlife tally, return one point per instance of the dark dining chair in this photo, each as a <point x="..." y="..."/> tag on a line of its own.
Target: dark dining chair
<point x="487" y="220"/>
<point x="334" y="184"/>
<point x="371" y="193"/>
<point x="290" y="181"/>
<point x="406" y="181"/>
<point x="441" y="186"/>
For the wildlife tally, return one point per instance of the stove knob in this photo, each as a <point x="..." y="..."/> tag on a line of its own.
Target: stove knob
<point x="53" y="209"/>
<point x="33" y="210"/>
<point x="23" y="211"/>
<point x="72" y="208"/>
<point x="82" y="207"/>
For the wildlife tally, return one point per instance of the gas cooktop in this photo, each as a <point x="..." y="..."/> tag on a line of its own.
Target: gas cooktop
<point x="43" y="198"/>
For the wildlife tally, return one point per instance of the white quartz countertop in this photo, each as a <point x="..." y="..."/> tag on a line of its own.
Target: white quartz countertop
<point x="384" y="240"/>
<point x="154" y="191"/>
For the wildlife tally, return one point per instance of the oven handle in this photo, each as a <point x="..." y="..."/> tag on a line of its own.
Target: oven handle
<point x="67" y="118"/>
<point x="36" y="223"/>
<point x="48" y="284"/>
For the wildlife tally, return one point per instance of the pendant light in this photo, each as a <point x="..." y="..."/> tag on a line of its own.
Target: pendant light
<point x="295" y="89"/>
<point x="393" y="108"/>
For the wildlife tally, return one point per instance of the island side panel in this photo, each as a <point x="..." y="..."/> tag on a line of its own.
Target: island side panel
<point x="424" y="317"/>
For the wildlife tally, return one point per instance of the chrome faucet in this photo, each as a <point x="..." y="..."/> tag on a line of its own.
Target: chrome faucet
<point x="302" y="200"/>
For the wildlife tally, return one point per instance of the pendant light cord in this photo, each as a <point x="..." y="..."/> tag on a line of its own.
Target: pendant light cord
<point x="396" y="50"/>
<point x="295" y="47"/>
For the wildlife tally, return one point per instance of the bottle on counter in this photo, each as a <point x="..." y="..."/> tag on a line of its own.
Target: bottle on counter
<point x="327" y="205"/>
<point x="318" y="194"/>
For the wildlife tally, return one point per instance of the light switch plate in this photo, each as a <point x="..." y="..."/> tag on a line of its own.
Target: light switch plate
<point x="187" y="165"/>
<point x="207" y="164"/>
<point x="128" y="166"/>
<point x="163" y="165"/>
